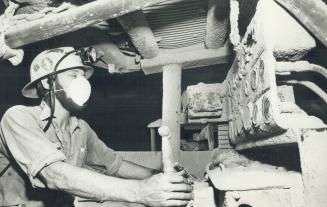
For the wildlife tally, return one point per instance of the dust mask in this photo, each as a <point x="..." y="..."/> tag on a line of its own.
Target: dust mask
<point x="79" y="90"/>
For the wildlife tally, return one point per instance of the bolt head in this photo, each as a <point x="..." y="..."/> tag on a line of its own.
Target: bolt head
<point x="164" y="131"/>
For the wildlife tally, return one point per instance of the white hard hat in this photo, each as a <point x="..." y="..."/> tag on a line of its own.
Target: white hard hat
<point x="44" y="64"/>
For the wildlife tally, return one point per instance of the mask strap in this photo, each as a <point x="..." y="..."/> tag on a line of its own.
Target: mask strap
<point x="52" y="103"/>
<point x="52" y="98"/>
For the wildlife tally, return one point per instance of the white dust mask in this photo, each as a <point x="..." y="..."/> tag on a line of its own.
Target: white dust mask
<point x="79" y="90"/>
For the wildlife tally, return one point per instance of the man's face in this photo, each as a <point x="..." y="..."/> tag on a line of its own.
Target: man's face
<point x="63" y="81"/>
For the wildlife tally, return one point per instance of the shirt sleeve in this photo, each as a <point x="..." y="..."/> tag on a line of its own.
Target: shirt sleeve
<point x="26" y="142"/>
<point x="99" y="156"/>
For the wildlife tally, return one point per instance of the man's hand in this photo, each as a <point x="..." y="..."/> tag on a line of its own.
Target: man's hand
<point x="165" y="190"/>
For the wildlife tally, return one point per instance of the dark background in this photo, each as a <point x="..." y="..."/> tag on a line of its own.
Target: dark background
<point x="121" y="105"/>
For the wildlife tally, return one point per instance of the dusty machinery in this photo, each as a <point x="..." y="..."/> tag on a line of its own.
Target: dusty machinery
<point x="260" y="107"/>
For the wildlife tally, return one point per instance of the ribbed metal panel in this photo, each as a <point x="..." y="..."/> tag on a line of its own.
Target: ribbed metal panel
<point x="182" y="23"/>
<point x="178" y="23"/>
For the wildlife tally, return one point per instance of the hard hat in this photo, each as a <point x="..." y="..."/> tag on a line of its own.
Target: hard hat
<point x="43" y="66"/>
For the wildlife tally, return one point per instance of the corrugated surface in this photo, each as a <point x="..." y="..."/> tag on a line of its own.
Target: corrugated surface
<point x="182" y="23"/>
<point x="178" y="23"/>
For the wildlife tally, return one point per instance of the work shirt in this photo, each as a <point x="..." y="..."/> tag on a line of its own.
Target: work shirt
<point x="28" y="149"/>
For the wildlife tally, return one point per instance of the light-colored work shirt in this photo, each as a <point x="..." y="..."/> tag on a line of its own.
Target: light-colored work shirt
<point x="28" y="149"/>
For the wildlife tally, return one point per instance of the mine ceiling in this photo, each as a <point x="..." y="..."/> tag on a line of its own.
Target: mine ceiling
<point x="142" y="35"/>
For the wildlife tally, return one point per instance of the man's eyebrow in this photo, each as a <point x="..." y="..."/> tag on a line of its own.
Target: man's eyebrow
<point x="80" y="71"/>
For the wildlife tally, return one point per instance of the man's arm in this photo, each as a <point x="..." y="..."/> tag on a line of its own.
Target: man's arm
<point x="132" y="170"/>
<point x="101" y="157"/>
<point x="157" y="190"/>
<point x="43" y="164"/>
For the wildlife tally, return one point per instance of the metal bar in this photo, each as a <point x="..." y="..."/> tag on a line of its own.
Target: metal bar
<point x="188" y="59"/>
<point x="300" y="66"/>
<point x="171" y="105"/>
<point x="118" y="62"/>
<point x="311" y="13"/>
<point x="287" y="138"/>
<point x="72" y="20"/>
<point x="310" y="85"/>
<point x="153" y="139"/>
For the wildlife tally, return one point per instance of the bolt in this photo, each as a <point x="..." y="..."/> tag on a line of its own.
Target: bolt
<point x="246" y="88"/>
<point x="138" y="59"/>
<point x="254" y="79"/>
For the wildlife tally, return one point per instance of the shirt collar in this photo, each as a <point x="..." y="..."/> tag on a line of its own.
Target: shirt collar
<point x="46" y="113"/>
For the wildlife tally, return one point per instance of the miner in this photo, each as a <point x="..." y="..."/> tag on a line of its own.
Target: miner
<point x="48" y="155"/>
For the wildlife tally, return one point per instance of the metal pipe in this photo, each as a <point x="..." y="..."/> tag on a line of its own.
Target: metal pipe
<point x="71" y="20"/>
<point x="188" y="59"/>
<point x="311" y="13"/>
<point x="191" y="58"/>
<point x="310" y="85"/>
<point x="138" y="29"/>
<point x="166" y="150"/>
<point x="171" y="105"/>
<point x="115" y="60"/>
<point x="153" y="139"/>
<point x="300" y="66"/>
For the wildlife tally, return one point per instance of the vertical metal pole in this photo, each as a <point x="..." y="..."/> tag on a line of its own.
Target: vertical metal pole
<point x="171" y="105"/>
<point x="153" y="139"/>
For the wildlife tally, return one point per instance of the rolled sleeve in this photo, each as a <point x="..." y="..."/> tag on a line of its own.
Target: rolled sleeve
<point x="100" y="157"/>
<point x="27" y="143"/>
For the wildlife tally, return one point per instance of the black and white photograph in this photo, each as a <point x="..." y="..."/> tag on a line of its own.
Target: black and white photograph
<point x="163" y="103"/>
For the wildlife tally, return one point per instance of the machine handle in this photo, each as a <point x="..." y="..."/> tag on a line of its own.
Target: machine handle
<point x="167" y="158"/>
